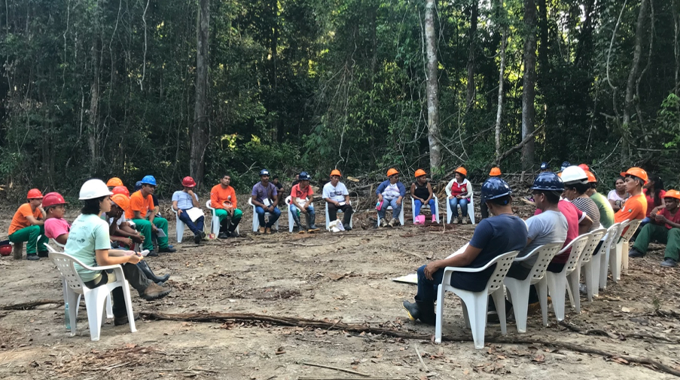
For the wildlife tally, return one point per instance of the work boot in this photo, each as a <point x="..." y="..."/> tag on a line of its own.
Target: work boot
<point x="144" y="267"/>
<point x="198" y="237"/>
<point x="152" y="253"/>
<point x="43" y="254"/>
<point x="310" y="224"/>
<point x="32" y="257"/>
<point x="222" y="235"/>
<point x="296" y="219"/>
<point x="261" y="230"/>
<point x="383" y="223"/>
<point x="167" y="249"/>
<point x="420" y="310"/>
<point x="669" y="263"/>
<point x="635" y="253"/>
<point x="123" y="319"/>
<point x="459" y="220"/>
<point x="394" y="222"/>
<point x="153" y="292"/>
<point x="233" y="232"/>
<point x="268" y="230"/>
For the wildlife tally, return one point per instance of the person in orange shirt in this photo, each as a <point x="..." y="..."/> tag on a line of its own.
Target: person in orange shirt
<point x="223" y="200"/>
<point x="28" y="224"/>
<point x="141" y="212"/>
<point x="636" y="206"/>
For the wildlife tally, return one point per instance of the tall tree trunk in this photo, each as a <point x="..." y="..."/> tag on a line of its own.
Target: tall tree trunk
<point x="432" y="89"/>
<point x="471" y="56"/>
<point x="529" y="83"/>
<point x="676" y="47"/>
<point x="501" y="79"/>
<point x="93" y="127"/>
<point x="632" y="75"/>
<point x="199" y="135"/>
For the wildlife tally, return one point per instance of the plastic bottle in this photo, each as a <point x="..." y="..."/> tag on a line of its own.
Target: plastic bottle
<point x="67" y="318"/>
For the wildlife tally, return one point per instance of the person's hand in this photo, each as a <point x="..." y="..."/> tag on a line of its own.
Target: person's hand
<point x="451" y="197"/>
<point x="430" y="269"/>
<point x="190" y="192"/>
<point x="459" y="197"/>
<point x="336" y="203"/>
<point x="154" y="228"/>
<point x="303" y="210"/>
<point x="398" y="202"/>
<point x="137" y="238"/>
<point x="130" y="243"/>
<point x="380" y="198"/>
<point x="179" y="211"/>
<point x="134" y="259"/>
<point x="660" y="218"/>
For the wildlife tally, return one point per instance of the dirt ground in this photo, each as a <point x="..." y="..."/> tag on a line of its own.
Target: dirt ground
<point x="334" y="277"/>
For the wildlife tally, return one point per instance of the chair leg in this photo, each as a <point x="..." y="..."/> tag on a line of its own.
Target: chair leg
<point x="573" y="284"/>
<point x="478" y="318"/>
<point x="95" y="309"/>
<point x="604" y="268"/>
<point x="128" y="306"/>
<point x="542" y="290"/>
<point x="109" y="306"/>
<point x="519" y="294"/>
<point x="616" y="264"/>
<point x="557" y="284"/>
<point x="439" y="314"/>
<point x="588" y="274"/>
<point x="73" y="300"/>
<point x="625" y="247"/>
<point x="595" y="266"/>
<point x="499" y="300"/>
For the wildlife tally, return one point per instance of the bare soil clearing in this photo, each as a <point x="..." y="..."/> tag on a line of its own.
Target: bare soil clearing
<point x="334" y="277"/>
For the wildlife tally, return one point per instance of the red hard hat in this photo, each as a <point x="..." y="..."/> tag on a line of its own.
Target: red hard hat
<point x="5" y="250"/>
<point x="53" y="199"/>
<point x="584" y="167"/>
<point x="34" y="194"/>
<point x="188" y="182"/>
<point x="121" y="190"/>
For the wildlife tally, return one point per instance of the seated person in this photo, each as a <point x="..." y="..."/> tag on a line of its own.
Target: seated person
<point x="390" y="193"/>
<point x="495" y="172"/>
<point x="494" y="236"/>
<point x="618" y="196"/>
<point x="264" y="195"/>
<point x="28" y="224"/>
<point x="90" y="243"/>
<point x="664" y="228"/>
<point x="575" y="186"/>
<point x="301" y="197"/>
<point x="113" y="182"/>
<point x="655" y="194"/>
<point x="141" y="212"/>
<point x="459" y="191"/>
<point x="336" y="195"/>
<point x="56" y="227"/>
<point x="186" y="199"/>
<point x="223" y="200"/>
<point x="421" y="192"/>
<point x="636" y="205"/>
<point x="606" y="211"/>
<point x="279" y="189"/>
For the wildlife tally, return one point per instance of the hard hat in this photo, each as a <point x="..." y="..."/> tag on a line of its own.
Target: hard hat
<point x="574" y="174"/>
<point x="5" y="248"/>
<point x="138" y="185"/>
<point x="544" y="166"/>
<point x="548" y="181"/>
<point x="584" y="167"/>
<point x="304" y="176"/>
<point x="495" y="187"/>
<point x="52" y="199"/>
<point x="637" y="172"/>
<point x="495" y="172"/>
<point x="149" y="180"/>
<point x="121" y="201"/>
<point x="188" y="182"/>
<point x="392" y="172"/>
<point x="565" y="165"/>
<point x="121" y="190"/>
<point x="420" y="173"/>
<point x="591" y="177"/>
<point x="672" y="194"/>
<point x="34" y="194"/>
<point x="264" y="172"/>
<point x="336" y="172"/>
<point x="113" y="182"/>
<point x="462" y="171"/>
<point x="94" y="188"/>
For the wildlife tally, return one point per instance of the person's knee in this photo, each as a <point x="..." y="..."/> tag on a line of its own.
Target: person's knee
<point x="238" y="214"/>
<point x="674" y="233"/>
<point x="421" y="271"/>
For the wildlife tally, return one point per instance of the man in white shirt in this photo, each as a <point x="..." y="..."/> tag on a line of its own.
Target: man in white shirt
<point x="337" y="196"/>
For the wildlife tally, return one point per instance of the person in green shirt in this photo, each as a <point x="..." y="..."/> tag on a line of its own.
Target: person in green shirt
<point x="606" y="210"/>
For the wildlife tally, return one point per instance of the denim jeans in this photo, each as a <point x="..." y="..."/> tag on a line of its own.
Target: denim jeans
<point x="396" y="210"/>
<point x="310" y="210"/>
<point x="275" y="214"/>
<point x="419" y="204"/>
<point x="195" y="227"/>
<point x="463" y="202"/>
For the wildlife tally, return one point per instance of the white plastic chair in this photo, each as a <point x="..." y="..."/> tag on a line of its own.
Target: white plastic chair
<point x="470" y="208"/>
<point x="401" y="214"/>
<point x="557" y="282"/>
<point x="291" y="220"/>
<point x="623" y="245"/>
<point x="613" y="233"/>
<point x="586" y="262"/>
<point x="94" y="298"/>
<point x="328" y="219"/>
<point x="215" y="222"/>
<point x="436" y="205"/>
<point x="179" y="225"/>
<point x="256" y="221"/>
<point x="475" y="303"/>
<point x="518" y="290"/>
<point x="615" y="256"/>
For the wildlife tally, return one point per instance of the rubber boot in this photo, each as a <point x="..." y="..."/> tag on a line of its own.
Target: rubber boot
<point x="144" y="267"/>
<point x="223" y="229"/>
<point x="296" y="218"/>
<point x="310" y="223"/>
<point x="424" y="311"/>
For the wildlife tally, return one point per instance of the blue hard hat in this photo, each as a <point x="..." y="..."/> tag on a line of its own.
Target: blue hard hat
<point x="495" y="187"/>
<point x="548" y="181"/>
<point x="304" y="176"/>
<point x="138" y="185"/>
<point x="544" y="166"/>
<point x="264" y="172"/>
<point x="149" y="180"/>
<point x="565" y="165"/>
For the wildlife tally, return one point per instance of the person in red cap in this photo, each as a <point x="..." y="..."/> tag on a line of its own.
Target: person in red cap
<point x="56" y="227"/>
<point x="223" y="200"/>
<point x="28" y="224"/>
<point x="184" y="200"/>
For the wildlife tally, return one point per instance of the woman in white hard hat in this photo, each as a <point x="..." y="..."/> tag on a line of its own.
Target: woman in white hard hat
<point x="90" y="243"/>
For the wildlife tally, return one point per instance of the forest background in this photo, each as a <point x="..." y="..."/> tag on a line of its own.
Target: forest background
<point x="101" y="88"/>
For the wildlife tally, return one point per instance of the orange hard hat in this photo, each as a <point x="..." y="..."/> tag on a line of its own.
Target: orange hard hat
<point x="113" y="182"/>
<point x="637" y="172"/>
<point x="336" y="172"/>
<point x="672" y="194"/>
<point x="461" y="170"/>
<point x="584" y="167"/>
<point x="420" y="173"/>
<point x="53" y="199"/>
<point x="392" y="172"/>
<point x="495" y="172"/>
<point x="121" y="201"/>
<point x="34" y="194"/>
<point x="121" y="190"/>
<point x="591" y="176"/>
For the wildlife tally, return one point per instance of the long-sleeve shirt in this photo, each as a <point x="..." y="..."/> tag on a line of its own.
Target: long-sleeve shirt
<point x="383" y="186"/>
<point x="464" y="189"/>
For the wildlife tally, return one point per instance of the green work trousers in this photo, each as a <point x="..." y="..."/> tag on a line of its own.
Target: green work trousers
<point x="144" y="227"/>
<point x="30" y="236"/>
<point x="222" y="214"/>
<point x="654" y="232"/>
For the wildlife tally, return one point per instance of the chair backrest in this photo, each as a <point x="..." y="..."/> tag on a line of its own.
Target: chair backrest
<point x="208" y="204"/>
<point x="66" y="266"/>
<point x="545" y="254"/>
<point x="613" y="232"/>
<point x="577" y="245"/>
<point x="632" y="227"/>
<point x="595" y="238"/>
<point x="503" y="263"/>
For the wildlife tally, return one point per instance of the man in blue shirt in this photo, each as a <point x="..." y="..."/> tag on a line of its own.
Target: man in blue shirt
<point x="183" y="200"/>
<point x="264" y="196"/>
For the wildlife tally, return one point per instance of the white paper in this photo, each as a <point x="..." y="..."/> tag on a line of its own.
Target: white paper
<point x="266" y="202"/>
<point x="160" y="233"/>
<point x="194" y="213"/>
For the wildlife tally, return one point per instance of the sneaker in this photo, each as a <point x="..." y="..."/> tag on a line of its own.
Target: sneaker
<point x="167" y="249"/>
<point x="313" y="228"/>
<point x="348" y="228"/>
<point x="154" y="291"/>
<point x="669" y="263"/>
<point x="43" y="253"/>
<point x="32" y="257"/>
<point x="123" y="320"/>
<point x="261" y="230"/>
<point x="268" y="230"/>
<point x="222" y="235"/>
<point x="198" y="238"/>
<point x="233" y="233"/>
<point x="152" y="253"/>
<point x="635" y="253"/>
<point x="394" y="222"/>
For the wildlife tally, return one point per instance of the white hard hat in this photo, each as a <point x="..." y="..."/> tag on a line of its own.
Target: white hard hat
<point x="574" y="174"/>
<point x="94" y="188"/>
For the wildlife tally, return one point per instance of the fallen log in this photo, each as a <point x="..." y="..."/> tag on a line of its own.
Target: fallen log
<point x="30" y="305"/>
